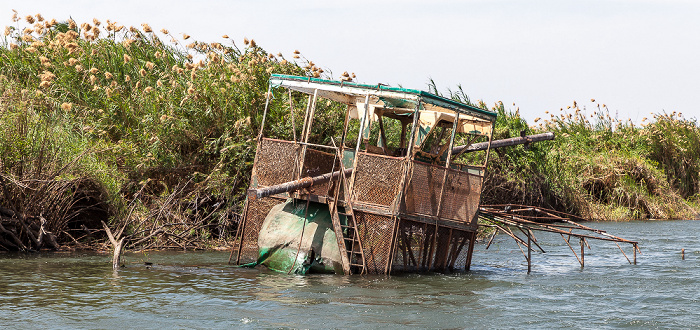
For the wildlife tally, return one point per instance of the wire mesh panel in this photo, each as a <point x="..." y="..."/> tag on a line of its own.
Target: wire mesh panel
<point x="461" y="197"/>
<point x="460" y="249"/>
<point x="377" y="179"/>
<point x="375" y="233"/>
<point x="318" y="163"/>
<point x="417" y="248"/>
<point x="424" y="189"/>
<point x="276" y="162"/>
<point x="410" y="242"/>
<point x="255" y="215"/>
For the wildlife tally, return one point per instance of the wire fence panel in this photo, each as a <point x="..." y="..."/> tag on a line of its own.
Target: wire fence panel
<point x="375" y="233"/>
<point x="377" y="179"/>
<point x="424" y="189"/>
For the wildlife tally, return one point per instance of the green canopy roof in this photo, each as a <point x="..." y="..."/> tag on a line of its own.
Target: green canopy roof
<point x="391" y="96"/>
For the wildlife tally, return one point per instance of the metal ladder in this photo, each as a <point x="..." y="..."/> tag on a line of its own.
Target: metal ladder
<point x="356" y="257"/>
<point x="353" y="259"/>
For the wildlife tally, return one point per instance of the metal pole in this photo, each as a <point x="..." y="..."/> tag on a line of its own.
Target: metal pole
<point x="291" y="110"/>
<point x="582" y="249"/>
<point x="357" y="147"/>
<point x="307" y="130"/>
<point x="529" y="254"/>
<point x="503" y="143"/>
<point x="447" y="165"/>
<point x="267" y="103"/>
<point x="305" y="182"/>
<point x="416" y="117"/>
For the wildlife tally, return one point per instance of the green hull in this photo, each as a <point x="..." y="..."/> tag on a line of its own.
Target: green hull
<point x="281" y="233"/>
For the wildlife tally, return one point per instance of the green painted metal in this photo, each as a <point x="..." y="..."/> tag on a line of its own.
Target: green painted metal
<point x="281" y="232"/>
<point x="348" y="158"/>
<point x="425" y="96"/>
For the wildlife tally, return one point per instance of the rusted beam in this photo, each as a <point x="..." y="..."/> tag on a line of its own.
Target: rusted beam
<point x="503" y="143"/>
<point x="294" y="185"/>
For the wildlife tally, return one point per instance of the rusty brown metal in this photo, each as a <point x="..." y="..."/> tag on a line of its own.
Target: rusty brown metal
<point x="290" y="186"/>
<point x="523" y="217"/>
<point x="503" y="143"/>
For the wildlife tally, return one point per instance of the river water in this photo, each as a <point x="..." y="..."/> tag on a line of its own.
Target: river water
<point x="199" y="290"/>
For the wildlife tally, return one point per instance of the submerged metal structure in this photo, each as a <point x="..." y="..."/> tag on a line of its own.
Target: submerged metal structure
<point x="399" y="192"/>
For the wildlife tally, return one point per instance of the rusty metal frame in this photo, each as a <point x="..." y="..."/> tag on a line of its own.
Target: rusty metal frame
<point x="351" y="193"/>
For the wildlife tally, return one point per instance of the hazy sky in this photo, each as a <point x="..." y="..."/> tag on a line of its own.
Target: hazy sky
<point x="635" y="56"/>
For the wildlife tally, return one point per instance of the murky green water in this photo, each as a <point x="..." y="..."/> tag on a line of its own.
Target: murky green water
<point x="198" y="290"/>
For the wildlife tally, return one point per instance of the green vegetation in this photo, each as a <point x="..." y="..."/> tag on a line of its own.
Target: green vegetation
<point x="105" y="122"/>
<point x="599" y="167"/>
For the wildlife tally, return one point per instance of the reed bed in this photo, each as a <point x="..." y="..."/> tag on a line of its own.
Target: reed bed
<point x="600" y="167"/>
<point x="163" y="124"/>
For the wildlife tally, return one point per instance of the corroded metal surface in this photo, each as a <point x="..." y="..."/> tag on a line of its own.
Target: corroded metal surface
<point x="255" y="215"/>
<point x="461" y="197"/>
<point x="424" y="189"/>
<point x="418" y="249"/>
<point x="317" y="163"/>
<point x="275" y="162"/>
<point x="377" y="179"/>
<point x="375" y="231"/>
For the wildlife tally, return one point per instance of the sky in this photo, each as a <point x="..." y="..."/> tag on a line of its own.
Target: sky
<point x="635" y="56"/>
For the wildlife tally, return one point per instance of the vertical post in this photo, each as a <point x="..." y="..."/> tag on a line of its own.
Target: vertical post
<point x="349" y="194"/>
<point x="447" y="251"/>
<point x="239" y="234"/>
<point x="582" y="251"/>
<point x="312" y="112"/>
<point x="634" y="248"/>
<point x="488" y="151"/>
<point x="267" y="103"/>
<point x="416" y="117"/>
<point x="529" y="254"/>
<point x="291" y="110"/>
<point x="345" y="128"/>
<point x="306" y="117"/>
<point x="452" y="140"/>
<point x="307" y="131"/>
<point x="447" y="165"/>
<point x="470" y="251"/>
<point x="392" y="247"/>
<point x="432" y="256"/>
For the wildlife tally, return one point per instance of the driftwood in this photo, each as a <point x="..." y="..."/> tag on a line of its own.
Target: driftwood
<point x="185" y="219"/>
<point x="117" y="244"/>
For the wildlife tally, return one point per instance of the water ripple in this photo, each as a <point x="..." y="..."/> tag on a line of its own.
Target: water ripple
<point x="198" y="289"/>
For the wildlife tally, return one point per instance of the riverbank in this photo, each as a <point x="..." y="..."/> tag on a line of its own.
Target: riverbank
<point x="153" y="134"/>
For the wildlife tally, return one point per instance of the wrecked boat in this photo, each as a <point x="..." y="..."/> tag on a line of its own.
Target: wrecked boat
<point x="399" y="191"/>
<point x="388" y="202"/>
